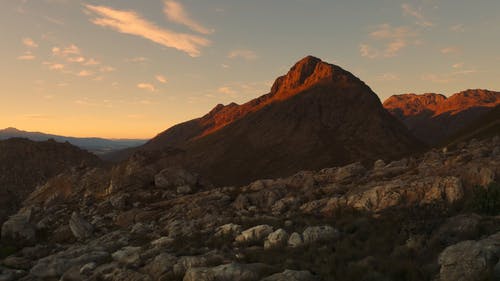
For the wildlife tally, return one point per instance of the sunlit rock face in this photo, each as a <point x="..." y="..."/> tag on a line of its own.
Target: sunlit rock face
<point x="434" y="117"/>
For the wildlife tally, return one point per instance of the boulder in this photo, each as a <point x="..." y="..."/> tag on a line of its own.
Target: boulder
<point x="276" y="239"/>
<point x="175" y="177"/>
<point x="295" y="240"/>
<point x="128" y="255"/>
<point x="319" y="233"/>
<point x="457" y="228"/>
<point x="18" y="229"/>
<point x="254" y="234"/>
<point x="229" y="272"/>
<point x="349" y="172"/>
<point x="229" y="229"/>
<point x="56" y="265"/>
<point x="470" y="260"/>
<point x="80" y="228"/>
<point x="291" y="275"/>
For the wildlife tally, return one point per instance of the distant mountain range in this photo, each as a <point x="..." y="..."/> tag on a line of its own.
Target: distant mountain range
<point x="434" y="118"/>
<point x="97" y="146"/>
<point x="317" y="115"/>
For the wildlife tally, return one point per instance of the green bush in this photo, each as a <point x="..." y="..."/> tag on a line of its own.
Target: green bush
<point x="486" y="200"/>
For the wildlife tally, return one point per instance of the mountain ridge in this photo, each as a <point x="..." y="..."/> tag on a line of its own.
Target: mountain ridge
<point x="434" y="117"/>
<point x="95" y="145"/>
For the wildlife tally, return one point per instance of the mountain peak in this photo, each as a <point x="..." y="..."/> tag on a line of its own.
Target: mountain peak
<point x="308" y="72"/>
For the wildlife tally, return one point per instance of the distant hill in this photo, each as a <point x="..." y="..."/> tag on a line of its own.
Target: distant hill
<point x="98" y="146"/>
<point x="317" y="115"/>
<point x="433" y="118"/>
<point x="24" y="164"/>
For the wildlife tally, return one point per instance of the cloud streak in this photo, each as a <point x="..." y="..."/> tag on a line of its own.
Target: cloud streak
<point x="244" y="54"/>
<point x="146" y="86"/>
<point x="28" y="42"/>
<point x="392" y="39"/>
<point x="129" y="22"/>
<point x="417" y="14"/>
<point x="175" y="12"/>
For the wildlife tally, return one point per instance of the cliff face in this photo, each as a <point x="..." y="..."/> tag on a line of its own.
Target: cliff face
<point x="433" y="117"/>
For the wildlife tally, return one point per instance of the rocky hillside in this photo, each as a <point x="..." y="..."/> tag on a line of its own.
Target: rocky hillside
<point x="433" y="118"/>
<point x="24" y="164"/>
<point x="418" y="218"/>
<point x="317" y="115"/>
<point x="487" y="125"/>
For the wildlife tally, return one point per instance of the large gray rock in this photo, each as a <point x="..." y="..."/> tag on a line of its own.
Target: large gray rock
<point x="470" y="260"/>
<point x="295" y="240"/>
<point x="276" y="239"/>
<point x="226" y="272"/>
<point x="56" y="265"/>
<point x="80" y="228"/>
<point x="175" y="177"/>
<point x="349" y="172"/>
<point x="319" y="233"/>
<point x="229" y="229"/>
<point x="18" y="228"/>
<point x="292" y="275"/>
<point x="128" y="255"/>
<point x="254" y="234"/>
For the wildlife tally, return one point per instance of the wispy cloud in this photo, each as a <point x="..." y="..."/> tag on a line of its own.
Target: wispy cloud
<point x="146" y="86"/>
<point x="450" y="50"/>
<point x="242" y="53"/>
<point x="388" y="77"/>
<point x="54" y="65"/>
<point x="445" y="78"/>
<point x="367" y="51"/>
<point x="390" y="39"/>
<point x="137" y="60"/>
<point x="129" y="22"/>
<point x="175" y="12"/>
<point x="26" y="56"/>
<point x="458" y="65"/>
<point x="458" y="28"/>
<point x="226" y="91"/>
<point x="66" y="51"/>
<point x="84" y="73"/>
<point x="417" y="14"/>
<point x="160" y="78"/>
<point x="28" y="42"/>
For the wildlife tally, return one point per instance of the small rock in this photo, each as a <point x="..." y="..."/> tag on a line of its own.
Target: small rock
<point x="292" y="275"/>
<point x="276" y="239"/>
<point x="319" y="233"/>
<point x="254" y="234"/>
<point x="127" y="255"/>
<point x="295" y="240"/>
<point x="80" y="228"/>
<point x="229" y="229"/>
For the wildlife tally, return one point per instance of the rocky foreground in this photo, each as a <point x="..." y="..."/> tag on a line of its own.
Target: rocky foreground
<point x="413" y="219"/>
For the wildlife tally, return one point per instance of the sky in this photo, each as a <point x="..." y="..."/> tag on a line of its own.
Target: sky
<point x="131" y="69"/>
